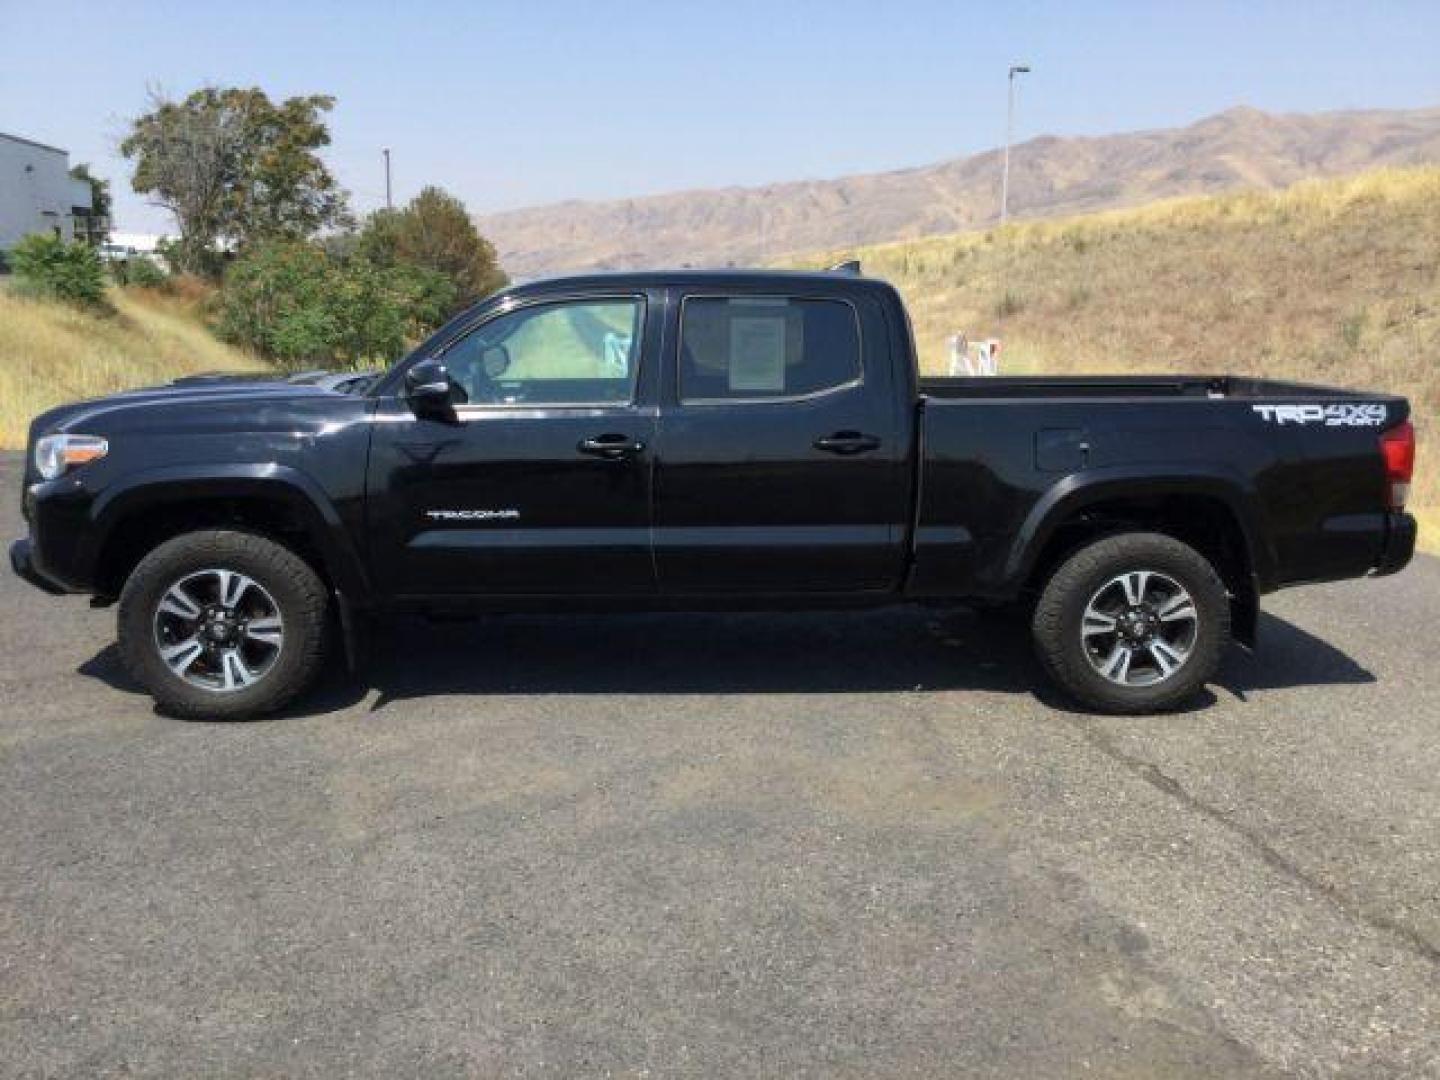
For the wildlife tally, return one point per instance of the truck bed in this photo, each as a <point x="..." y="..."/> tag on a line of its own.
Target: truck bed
<point x="1298" y="466"/>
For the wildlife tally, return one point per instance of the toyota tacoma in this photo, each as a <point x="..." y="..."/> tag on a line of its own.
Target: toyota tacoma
<point x="704" y="440"/>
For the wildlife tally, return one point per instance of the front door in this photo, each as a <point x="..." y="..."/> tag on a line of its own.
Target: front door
<point x="539" y="481"/>
<point x="779" y="467"/>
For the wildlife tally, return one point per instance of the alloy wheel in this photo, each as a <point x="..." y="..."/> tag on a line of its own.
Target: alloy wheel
<point x="1139" y="628"/>
<point x="218" y="630"/>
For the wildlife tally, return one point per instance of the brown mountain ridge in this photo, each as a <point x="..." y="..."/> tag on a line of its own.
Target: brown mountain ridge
<point x="1241" y="147"/>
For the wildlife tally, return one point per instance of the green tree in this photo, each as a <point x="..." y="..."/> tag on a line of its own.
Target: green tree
<point x="230" y="164"/>
<point x="435" y="232"/>
<point x="300" y="307"/>
<point x="95" y="225"/>
<point x="379" y="239"/>
<point x="378" y="310"/>
<point x="285" y="190"/>
<point x="273" y="302"/>
<point x="48" y="266"/>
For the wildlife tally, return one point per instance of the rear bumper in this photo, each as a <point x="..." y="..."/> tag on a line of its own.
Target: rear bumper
<point x="22" y="561"/>
<point x="1399" y="546"/>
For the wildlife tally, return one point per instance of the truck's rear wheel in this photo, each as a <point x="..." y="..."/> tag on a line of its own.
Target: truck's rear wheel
<point x="1132" y="623"/>
<point x="223" y="624"/>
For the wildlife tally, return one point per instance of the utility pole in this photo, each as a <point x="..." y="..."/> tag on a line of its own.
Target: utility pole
<point x="1015" y="69"/>
<point x="388" y="204"/>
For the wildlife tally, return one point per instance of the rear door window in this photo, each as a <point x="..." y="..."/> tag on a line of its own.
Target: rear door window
<point x="759" y="348"/>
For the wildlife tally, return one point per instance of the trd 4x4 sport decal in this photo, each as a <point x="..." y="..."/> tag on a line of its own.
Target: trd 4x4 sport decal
<point x="1342" y="414"/>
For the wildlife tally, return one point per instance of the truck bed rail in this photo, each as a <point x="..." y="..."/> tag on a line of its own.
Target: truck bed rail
<point x="1123" y="386"/>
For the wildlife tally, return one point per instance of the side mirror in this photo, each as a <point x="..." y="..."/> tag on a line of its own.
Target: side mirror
<point x="428" y="387"/>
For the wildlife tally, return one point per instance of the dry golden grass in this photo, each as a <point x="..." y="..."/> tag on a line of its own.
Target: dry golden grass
<point x="52" y="353"/>
<point x="1334" y="281"/>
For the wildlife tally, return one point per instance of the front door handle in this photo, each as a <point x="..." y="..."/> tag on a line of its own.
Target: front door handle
<point x="848" y="442"/>
<point x="611" y="446"/>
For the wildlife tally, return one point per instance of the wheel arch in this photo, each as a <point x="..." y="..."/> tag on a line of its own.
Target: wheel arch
<point x="1213" y="513"/>
<point x="131" y="519"/>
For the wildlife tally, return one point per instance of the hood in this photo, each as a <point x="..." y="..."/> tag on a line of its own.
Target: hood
<point x="72" y="416"/>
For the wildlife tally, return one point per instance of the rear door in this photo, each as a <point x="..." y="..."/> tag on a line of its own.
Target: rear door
<point x="779" y="465"/>
<point x="540" y="482"/>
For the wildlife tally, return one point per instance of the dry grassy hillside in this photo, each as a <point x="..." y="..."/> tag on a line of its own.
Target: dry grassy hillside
<point x="1239" y="148"/>
<point x="1331" y="281"/>
<point x="51" y="353"/>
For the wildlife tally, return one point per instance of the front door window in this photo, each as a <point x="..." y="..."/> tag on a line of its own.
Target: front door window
<point x="565" y="353"/>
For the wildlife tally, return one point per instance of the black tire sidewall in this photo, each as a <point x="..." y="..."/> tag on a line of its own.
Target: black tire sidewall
<point x="289" y="580"/>
<point x="1062" y="606"/>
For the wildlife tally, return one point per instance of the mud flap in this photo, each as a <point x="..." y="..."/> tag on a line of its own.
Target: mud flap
<point x="1245" y="618"/>
<point x="349" y="625"/>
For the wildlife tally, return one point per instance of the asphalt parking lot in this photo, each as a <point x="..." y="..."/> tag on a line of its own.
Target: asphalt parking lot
<point x="831" y="845"/>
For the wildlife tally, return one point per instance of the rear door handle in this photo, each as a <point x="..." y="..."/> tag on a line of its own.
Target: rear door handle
<point x="611" y="446"/>
<point x="848" y="442"/>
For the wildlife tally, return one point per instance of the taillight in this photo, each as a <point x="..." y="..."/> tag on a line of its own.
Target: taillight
<point x="1397" y="446"/>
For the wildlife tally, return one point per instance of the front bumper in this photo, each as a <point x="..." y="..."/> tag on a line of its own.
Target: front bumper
<point x="58" y="552"/>
<point x="1399" y="546"/>
<point x="22" y="561"/>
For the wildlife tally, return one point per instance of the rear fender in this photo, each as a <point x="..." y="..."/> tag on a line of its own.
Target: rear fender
<point x="1070" y="496"/>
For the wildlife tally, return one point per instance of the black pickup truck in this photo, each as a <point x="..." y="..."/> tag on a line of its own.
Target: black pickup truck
<point x="696" y="440"/>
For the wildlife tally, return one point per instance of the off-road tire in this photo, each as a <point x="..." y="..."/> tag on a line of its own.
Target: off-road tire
<point x="1056" y="625"/>
<point x="293" y="584"/>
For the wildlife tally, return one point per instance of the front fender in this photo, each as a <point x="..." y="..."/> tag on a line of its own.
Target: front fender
<point x="170" y="485"/>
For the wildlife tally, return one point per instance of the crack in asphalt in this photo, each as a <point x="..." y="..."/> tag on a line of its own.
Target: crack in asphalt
<point x="1408" y="937"/>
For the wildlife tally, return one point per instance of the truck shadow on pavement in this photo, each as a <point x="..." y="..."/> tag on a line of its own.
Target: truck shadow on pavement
<point x="895" y="650"/>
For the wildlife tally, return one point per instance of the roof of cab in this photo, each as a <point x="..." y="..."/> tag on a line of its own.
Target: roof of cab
<point x="722" y="279"/>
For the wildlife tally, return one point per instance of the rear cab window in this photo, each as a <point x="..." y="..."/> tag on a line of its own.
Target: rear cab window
<point x="766" y="348"/>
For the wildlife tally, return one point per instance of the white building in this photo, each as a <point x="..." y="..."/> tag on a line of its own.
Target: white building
<point x="37" y="193"/>
<point x="142" y="243"/>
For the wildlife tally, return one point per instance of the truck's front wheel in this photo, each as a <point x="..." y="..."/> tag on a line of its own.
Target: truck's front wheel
<point x="223" y="624"/>
<point x="1132" y="623"/>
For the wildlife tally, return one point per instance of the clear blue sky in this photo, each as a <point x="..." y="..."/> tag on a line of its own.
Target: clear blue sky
<point x="510" y="104"/>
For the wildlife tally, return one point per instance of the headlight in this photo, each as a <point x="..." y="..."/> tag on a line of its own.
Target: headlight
<point x="54" y="454"/>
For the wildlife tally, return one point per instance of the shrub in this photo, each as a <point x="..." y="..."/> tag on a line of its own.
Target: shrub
<point x="146" y="274"/>
<point x="48" y="266"/>
<point x="139" y="271"/>
<point x="377" y="311"/>
<point x="272" y="301"/>
<point x="299" y="307"/>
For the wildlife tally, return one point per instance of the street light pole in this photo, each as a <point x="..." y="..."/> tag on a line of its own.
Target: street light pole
<point x="388" y="204"/>
<point x="1015" y="69"/>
